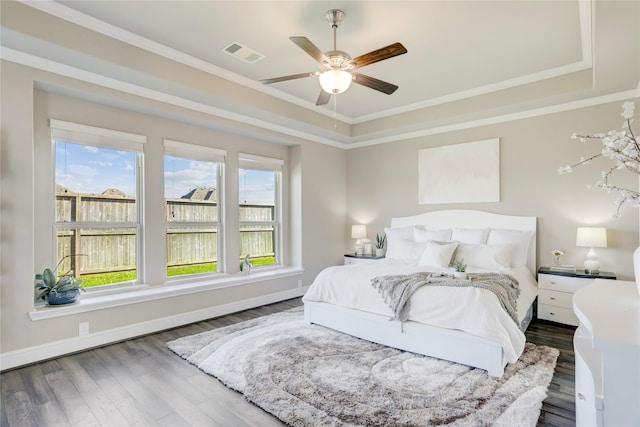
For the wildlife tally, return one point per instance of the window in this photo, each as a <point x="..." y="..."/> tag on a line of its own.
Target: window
<point x="193" y="200"/>
<point x="260" y="209"/>
<point x="97" y="209"/>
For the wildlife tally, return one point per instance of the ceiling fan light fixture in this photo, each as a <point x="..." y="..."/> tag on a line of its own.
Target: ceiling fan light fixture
<point x="335" y="81"/>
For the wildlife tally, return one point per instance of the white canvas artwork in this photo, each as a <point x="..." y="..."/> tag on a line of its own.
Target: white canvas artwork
<point x="460" y="173"/>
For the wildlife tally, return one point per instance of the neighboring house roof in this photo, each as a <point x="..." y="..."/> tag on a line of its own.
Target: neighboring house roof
<point x="63" y="190"/>
<point x="113" y="192"/>
<point x="201" y="193"/>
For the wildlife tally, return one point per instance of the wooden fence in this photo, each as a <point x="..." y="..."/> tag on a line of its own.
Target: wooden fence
<point x="114" y="249"/>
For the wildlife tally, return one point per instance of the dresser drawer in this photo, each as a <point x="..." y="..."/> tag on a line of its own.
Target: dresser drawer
<point x="555" y="298"/>
<point x="557" y="314"/>
<point x="562" y="283"/>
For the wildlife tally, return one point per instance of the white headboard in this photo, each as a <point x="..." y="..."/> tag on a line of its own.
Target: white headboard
<point x="463" y="218"/>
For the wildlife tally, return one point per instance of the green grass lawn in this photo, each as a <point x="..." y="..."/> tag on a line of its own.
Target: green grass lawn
<point x="93" y="280"/>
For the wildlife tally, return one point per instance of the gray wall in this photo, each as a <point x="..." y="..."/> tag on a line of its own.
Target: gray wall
<point x="315" y="204"/>
<point x="382" y="182"/>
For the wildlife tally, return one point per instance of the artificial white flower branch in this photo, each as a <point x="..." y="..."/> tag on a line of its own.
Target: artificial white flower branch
<point x="621" y="147"/>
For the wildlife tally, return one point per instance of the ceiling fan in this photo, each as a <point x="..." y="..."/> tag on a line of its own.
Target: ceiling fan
<point x="337" y="67"/>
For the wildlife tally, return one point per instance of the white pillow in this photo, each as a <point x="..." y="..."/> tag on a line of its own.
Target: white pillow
<point x="399" y="233"/>
<point x="471" y="236"/>
<point x="403" y="249"/>
<point x="422" y="235"/>
<point x="519" y="239"/>
<point x="438" y="254"/>
<point x="395" y="236"/>
<point x="490" y="257"/>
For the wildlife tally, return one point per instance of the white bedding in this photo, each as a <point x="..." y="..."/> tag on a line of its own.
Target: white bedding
<point x="472" y="310"/>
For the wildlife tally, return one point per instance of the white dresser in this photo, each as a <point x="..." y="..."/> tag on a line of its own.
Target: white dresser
<point x="607" y="351"/>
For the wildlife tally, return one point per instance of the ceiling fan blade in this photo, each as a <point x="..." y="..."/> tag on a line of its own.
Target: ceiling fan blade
<point x="306" y="45"/>
<point x="374" y="83"/>
<point x="285" y="78"/>
<point x="323" y="98"/>
<point x="379" y="55"/>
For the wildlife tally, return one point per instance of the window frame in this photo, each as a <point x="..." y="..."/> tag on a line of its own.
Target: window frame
<point x="85" y="135"/>
<point x="188" y="151"/>
<point x="270" y="164"/>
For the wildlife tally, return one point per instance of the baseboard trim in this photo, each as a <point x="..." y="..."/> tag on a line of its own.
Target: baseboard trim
<point x="26" y="356"/>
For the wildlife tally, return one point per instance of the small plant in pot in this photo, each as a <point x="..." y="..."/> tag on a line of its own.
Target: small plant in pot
<point x="460" y="269"/>
<point x="58" y="289"/>
<point x="380" y="242"/>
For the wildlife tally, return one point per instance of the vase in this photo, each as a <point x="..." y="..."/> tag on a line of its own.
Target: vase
<point x="379" y="251"/>
<point x="460" y="275"/>
<point x="636" y="268"/>
<point x="64" y="297"/>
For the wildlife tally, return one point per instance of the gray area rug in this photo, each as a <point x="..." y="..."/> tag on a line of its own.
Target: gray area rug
<point x="308" y="375"/>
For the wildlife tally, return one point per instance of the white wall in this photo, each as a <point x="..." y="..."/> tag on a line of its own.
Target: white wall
<point x="382" y="182"/>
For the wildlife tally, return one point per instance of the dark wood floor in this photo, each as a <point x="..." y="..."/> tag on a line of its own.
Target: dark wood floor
<point x="142" y="383"/>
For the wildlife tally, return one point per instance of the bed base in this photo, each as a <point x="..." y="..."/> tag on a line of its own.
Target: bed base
<point x="452" y="345"/>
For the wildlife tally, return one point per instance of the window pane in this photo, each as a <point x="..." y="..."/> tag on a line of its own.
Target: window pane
<point x="192" y="250"/>
<point x="257" y="195"/>
<point x="190" y="190"/>
<point x="191" y="195"/>
<point x="256" y="188"/>
<point x="257" y="241"/>
<point x="98" y="256"/>
<point x="94" y="184"/>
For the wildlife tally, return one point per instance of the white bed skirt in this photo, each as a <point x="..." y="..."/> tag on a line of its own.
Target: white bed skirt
<point x="447" y="344"/>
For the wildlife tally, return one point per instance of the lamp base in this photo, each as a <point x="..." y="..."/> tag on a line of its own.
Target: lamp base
<point x="591" y="264"/>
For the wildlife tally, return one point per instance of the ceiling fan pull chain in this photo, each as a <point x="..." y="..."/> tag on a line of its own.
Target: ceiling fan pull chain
<point x="335" y="114"/>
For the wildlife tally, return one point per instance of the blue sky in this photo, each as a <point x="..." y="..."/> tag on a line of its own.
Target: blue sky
<point x="91" y="170"/>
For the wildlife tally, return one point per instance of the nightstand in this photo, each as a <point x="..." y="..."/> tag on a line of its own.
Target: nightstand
<point x="357" y="259"/>
<point x="556" y="289"/>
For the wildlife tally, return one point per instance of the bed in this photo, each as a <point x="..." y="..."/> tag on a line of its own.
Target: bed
<point x="466" y="325"/>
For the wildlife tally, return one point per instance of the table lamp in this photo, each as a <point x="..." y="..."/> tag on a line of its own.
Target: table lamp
<point x="358" y="232"/>
<point x="592" y="237"/>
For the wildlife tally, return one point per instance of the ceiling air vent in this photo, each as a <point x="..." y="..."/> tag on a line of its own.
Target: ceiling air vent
<point x="239" y="51"/>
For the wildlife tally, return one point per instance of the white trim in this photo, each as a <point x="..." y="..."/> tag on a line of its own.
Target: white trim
<point x="536" y="112"/>
<point x="38" y="353"/>
<point x="118" y="85"/>
<point x="144" y="293"/>
<point x="75" y="73"/>
<point x="193" y="151"/>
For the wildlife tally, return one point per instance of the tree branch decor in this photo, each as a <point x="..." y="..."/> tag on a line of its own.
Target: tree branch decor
<point x="620" y="146"/>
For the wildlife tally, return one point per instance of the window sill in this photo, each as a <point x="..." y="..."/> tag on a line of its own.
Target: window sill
<point x="144" y="293"/>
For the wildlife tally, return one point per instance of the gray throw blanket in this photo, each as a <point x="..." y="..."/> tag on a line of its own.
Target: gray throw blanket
<point x="396" y="290"/>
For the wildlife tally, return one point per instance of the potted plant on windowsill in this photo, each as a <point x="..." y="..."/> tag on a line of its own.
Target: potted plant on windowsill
<point x="58" y="290"/>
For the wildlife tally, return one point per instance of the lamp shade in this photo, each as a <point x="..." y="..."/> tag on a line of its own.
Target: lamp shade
<point x="591" y="237"/>
<point x="335" y="81"/>
<point x="358" y="231"/>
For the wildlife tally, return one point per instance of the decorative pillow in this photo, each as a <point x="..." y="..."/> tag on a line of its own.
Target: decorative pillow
<point x="423" y="235"/>
<point x="519" y="239"/>
<point x="485" y="256"/>
<point x="438" y="254"/>
<point x="471" y="236"/>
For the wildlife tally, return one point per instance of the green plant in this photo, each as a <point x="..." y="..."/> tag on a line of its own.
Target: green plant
<point x="460" y="266"/>
<point x="49" y="281"/>
<point x="380" y="241"/>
